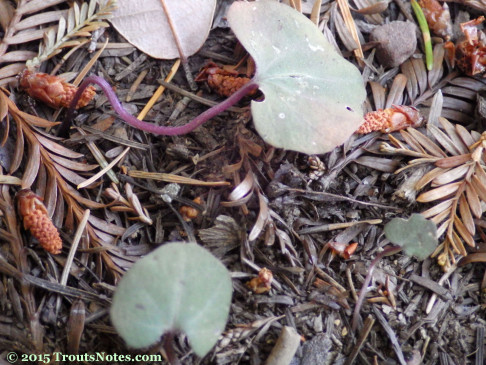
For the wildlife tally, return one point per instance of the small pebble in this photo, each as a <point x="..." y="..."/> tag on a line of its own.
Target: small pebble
<point x="398" y="41"/>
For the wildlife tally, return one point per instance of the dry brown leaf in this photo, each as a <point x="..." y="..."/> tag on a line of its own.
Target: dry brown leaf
<point x="244" y="188"/>
<point x="478" y="187"/>
<point x="480" y="173"/>
<point x="428" y="177"/>
<point x="262" y="220"/>
<point x="19" y="152"/>
<point x="465" y="135"/>
<point x="443" y="216"/>
<point x="437" y="209"/>
<point x="466" y="216"/>
<point x="395" y="95"/>
<point x="6" y="13"/>
<point x="426" y="143"/>
<point x="444" y="140"/>
<point x="420" y="73"/>
<point x="473" y="201"/>
<point x="106" y="227"/>
<point x="457" y="243"/>
<point x="451" y="175"/>
<point x="378" y="94"/>
<point x="32" y="167"/>
<point x="68" y="174"/>
<point x="438" y="193"/>
<point x="412" y="82"/>
<point x="453" y="161"/>
<point x="72" y="165"/>
<point x="437" y="70"/>
<point x="144" y="24"/>
<point x="351" y="26"/>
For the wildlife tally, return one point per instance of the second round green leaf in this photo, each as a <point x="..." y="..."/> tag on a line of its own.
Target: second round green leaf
<point x="177" y="287"/>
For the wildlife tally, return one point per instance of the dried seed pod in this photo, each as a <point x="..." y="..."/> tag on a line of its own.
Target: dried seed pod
<point x="53" y="90"/>
<point x="438" y="17"/>
<point x="317" y="166"/>
<point x="224" y="82"/>
<point x="36" y="219"/>
<point x="262" y="283"/>
<point x="344" y="250"/>
<point x="189" y="213"/>
<point x="391" y="119"/>
<point x="470" y="53"/>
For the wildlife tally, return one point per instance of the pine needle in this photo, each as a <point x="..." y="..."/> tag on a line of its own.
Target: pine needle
<point x="349" y="21"/>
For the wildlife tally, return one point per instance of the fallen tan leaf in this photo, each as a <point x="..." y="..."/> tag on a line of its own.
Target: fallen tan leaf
<point x="439" y="193"/>
<point x="144" y="24"/>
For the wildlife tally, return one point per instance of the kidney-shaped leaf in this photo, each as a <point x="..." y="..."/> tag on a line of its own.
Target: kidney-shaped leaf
<point x="144" y="24"/>
<point x="313" y="96"/>
<point x="176" y="287"/>
<point x="417" y="235"/>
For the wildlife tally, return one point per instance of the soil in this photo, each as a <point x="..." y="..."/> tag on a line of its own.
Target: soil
<point x="283" y="218"/>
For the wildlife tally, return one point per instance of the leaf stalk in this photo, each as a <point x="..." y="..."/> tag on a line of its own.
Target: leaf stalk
<point x="150" y="127"/>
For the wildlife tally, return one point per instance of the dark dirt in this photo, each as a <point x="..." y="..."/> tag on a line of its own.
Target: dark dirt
<point x="313" y="290"/>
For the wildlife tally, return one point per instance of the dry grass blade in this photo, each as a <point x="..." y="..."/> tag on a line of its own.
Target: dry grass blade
<point x="371" y="9"/>
<point x="315" y="13"/>
<point x="171" y="178"/>
<point x="107" y="168"/>
<point x="349" y="21"/>
<point x="344" y="33"/>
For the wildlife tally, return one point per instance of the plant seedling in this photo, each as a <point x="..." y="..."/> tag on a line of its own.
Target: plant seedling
<point x="313" y="96"/>
<point x="416" y="236"/>
<point x="177" y="287"/>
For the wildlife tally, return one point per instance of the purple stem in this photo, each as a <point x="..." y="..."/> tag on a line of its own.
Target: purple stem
<point x="169" y="347"/>
<point x="391" y="250"/>
<point x="149" y="127"/>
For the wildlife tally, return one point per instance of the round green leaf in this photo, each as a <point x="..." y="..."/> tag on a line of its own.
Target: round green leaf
<point x="176" y="287"/>
<point x="417" y="235"/>
<point x="313" y="96"/>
